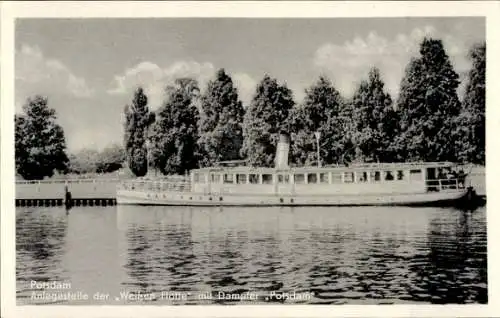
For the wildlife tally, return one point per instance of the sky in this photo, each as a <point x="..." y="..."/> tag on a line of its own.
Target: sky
<point x="89" y="68"/>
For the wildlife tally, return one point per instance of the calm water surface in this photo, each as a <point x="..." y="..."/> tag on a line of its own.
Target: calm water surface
<point x="291" y="255"/>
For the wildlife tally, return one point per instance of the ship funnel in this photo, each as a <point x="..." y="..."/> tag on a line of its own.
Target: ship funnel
<point x="282" y="150"/>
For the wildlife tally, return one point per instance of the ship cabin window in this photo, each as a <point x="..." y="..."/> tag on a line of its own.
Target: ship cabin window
<point x="228" y="178"/>
<point x="312" y="178"/>
<point x="431" y="174"/>
<point x="415" y="175"/>
<point x="267" y="179"/>
<point x="253" y="178"/>
<point x="215" y="178"/>
<point x="348" y="177"/>
<point x="336" y="177"/>
<point x="241" y="178"/>
<point x="324" y="177"/>
<point x="363" y="176"/>
<point x="401" y="175"/>
<point x="388" y="176"/>
<point x="283" y="178"/>
<point x="299" y="178"/>
<point x="375" y="176"/>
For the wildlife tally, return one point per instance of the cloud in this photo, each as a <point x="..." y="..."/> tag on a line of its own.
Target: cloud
<point x="246" y="86"/>
<point x="153" y="79"/>
<point x="350" y="62"/>
<point x="142" y="73"/>
<point x="37" y="74"/>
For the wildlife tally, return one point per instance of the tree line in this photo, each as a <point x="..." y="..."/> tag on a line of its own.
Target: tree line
<point x="88" y="161"/>
<point x="427" y="122"/>
<point x="40" y="146"/>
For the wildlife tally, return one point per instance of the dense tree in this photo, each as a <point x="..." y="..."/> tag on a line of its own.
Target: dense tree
<point x="175" y="133"/>
<point x="320" y="112"/>
<point x="470" y="135"/>
<point x="221" y="134"/>
<point x="339" y="135"/>
<point x="108" y="160"/>
<point x="375" y="123"/>
<point x="264" y="119"/>
<point x="21" y="149"/>
<point x="428" y="105"/>
<point x="40" y="145"/>
<point x="111" y="159"/>
<point x="137" y="120"/>
<point x="84" y="161"/>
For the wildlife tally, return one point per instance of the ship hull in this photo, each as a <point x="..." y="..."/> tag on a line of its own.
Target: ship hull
<point x="130" y="197"/>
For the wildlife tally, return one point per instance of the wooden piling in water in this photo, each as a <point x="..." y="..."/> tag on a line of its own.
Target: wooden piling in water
<point x="60" y="202"/>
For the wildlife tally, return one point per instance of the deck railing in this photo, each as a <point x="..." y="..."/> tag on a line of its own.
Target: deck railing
<point x="99" y="180"/>
<point x="445" y="184"/>
<point x="388" y="165"/>
<point x="67" y="181"/>
<point x="155" y="186"/>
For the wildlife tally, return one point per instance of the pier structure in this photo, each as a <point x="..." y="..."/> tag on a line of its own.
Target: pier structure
<point x="72" y="192"/>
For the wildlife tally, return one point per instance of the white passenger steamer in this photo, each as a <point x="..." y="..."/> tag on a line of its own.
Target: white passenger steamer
<point x="231" y="184"/>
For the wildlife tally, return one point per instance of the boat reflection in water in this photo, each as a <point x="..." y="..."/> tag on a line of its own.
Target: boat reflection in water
<point x="337" y="255"/>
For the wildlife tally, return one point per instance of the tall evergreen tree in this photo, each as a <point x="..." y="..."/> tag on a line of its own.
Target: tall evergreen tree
<point x="375" y="122"/>
<point x="40" y="145"/>
<point x="320" y="112"/>
<point x="137" y="120"/>
<point x="175" y="132"/>
<point x="428" y="105"/>
<point x="344" y="134"/>
<point x="265" y="118"/>
<point x="221" y="133"/>
<point x="471" y="131"/>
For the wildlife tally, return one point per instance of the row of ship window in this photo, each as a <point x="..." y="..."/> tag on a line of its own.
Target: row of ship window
<point x="309" y="178"/>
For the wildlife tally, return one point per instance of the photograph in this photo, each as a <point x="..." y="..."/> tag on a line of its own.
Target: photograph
<point x="241" y="161"/>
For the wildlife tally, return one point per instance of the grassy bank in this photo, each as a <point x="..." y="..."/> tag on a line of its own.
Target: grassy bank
<point x="81" y="186"/>
<point x="81" y="189"/>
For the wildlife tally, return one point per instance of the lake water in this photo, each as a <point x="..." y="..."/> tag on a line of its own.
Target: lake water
<point x="186" y="255"/>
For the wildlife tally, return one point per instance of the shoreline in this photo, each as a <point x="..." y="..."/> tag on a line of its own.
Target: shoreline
<point x="85" y="191"/>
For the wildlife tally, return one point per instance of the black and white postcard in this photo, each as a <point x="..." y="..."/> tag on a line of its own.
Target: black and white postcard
<point x="249" y="159"/>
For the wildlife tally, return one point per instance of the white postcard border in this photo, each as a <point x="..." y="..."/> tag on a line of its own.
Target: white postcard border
<point x="12" y="10"/>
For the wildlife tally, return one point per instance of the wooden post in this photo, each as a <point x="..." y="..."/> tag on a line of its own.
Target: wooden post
<point x="68" y="201"/>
